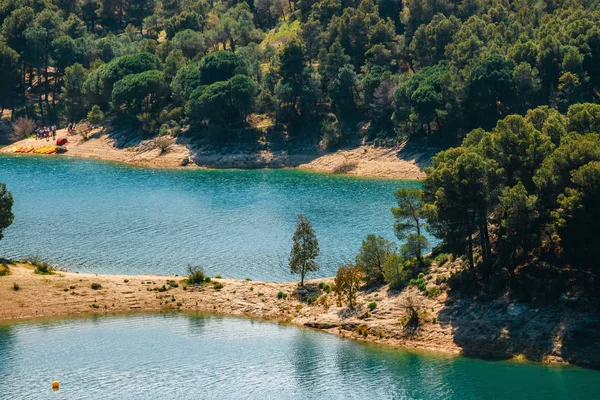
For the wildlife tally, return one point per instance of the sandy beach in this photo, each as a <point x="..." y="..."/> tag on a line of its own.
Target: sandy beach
<point x="364" y="161"/>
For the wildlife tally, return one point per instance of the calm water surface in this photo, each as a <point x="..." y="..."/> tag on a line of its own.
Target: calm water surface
<point x="204" y="357"/>
<point x="108" y="218"/>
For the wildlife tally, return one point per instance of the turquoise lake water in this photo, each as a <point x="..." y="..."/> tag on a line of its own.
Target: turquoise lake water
<point x="103" y="217"/>
<point x="181" y="356"/>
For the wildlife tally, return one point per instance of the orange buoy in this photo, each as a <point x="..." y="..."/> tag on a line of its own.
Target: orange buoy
<point x="55" y="385"/>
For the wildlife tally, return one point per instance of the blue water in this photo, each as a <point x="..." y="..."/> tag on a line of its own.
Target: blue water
<point x="180" y="356"/>
<point x="103" y="217"/>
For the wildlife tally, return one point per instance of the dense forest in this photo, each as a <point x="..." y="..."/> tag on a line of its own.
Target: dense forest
<point x="512" y="82"/>
<point x="322" y="69"/>
<point x="519" y="203"/>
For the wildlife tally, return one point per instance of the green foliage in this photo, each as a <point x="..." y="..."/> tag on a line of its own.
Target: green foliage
<point x="408" y="221"/>
<point x="16" y="287"/>
<point x="305" y="249"/>
<point x="372" y="305"/>
<point x="95" y="286"/>
<point x="372" y="257"/>
<point x="139" y="92"/>
<point x="529" y="184"/>
<point x="281" y="295"/>
<point x="95" y="116"/>
<point x="396" y="271"/>
<point x="221" y="66"/>
<point x="223" y="103"/>
<point x="6" y="203"/>
<point x="195" y="276"/>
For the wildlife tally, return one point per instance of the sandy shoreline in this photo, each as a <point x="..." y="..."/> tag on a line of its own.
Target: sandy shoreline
<point x="496" y="329"/>
<point x="364" y="161"/>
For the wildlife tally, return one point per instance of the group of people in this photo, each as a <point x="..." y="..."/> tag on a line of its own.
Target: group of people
<point x="46" y="132"/>
<point x="71" y="128"/>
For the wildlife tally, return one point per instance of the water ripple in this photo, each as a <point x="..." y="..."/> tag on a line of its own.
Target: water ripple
<point x="107" y="218"/>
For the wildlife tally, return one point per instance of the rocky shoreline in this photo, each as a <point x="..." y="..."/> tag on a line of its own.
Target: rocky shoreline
<point x="498" y="329"/>
<point x="400" y="162"/>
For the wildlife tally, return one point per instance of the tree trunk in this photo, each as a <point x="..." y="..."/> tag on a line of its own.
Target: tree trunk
<point x="470" y="229"/>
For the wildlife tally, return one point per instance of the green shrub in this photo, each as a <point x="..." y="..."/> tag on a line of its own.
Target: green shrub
<point x="218" y="277"/>
<point x="196" y="275"/>
<point x="16" y="287"/>
<point x="72" y="287"/>
<point x="162" y="289"/>
<point x="207" y="279"/>
<point x="126" y="281"/>
<point x="260" y="294"/>
<point x="420" y="283"/>
<point x="179" y="304"/>
<point x="218" y="285"/>
<point x="173" y="284"/>
<point x="41" y="267"/>
<point x="397" y="271"/>
<point x="321" y="285"/>
<point x="442" y="259"/>
<point x="312" y="299"/>
<point x="327" y="289"/>
<point x="96" y="286"/>
<point x="371" y="306"/>
<point x="95" y="305"/>
<point x="281" y="295"/>
<point x="248" y="279"/>
<point x="433" y="291"/>
<point x="4" y="270"/>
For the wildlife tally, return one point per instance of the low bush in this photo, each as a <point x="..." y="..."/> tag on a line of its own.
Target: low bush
<point x="362" y="330"/>
<point x="95" y="305"/>
<point x="433" y="291"/>
<point x="281" y="295"/>
<point x="162" y="289"/>
<point x="207" y="279"/>
<point x="312" y="299"/>
<point x="163" y="143"/>
<point x="218" y="277"/>
<point x="16" y="287"/>
<point x="371" y="306"/>
<point x="4" y="270"/>
<point x="41" y="267"/>
<point x="217" y="285"/>
<point x="196" y="275"/>
<point x="442" y="259"/>
<point x="96" y="286"/>
<point x="420" y="283"/>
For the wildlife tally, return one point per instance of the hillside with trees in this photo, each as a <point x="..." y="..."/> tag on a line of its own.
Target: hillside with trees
<point x="323" y="70"/>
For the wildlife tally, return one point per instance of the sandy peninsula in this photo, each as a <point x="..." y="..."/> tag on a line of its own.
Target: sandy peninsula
<point x="498" y="328"/>
<point x="400" y="162"/>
